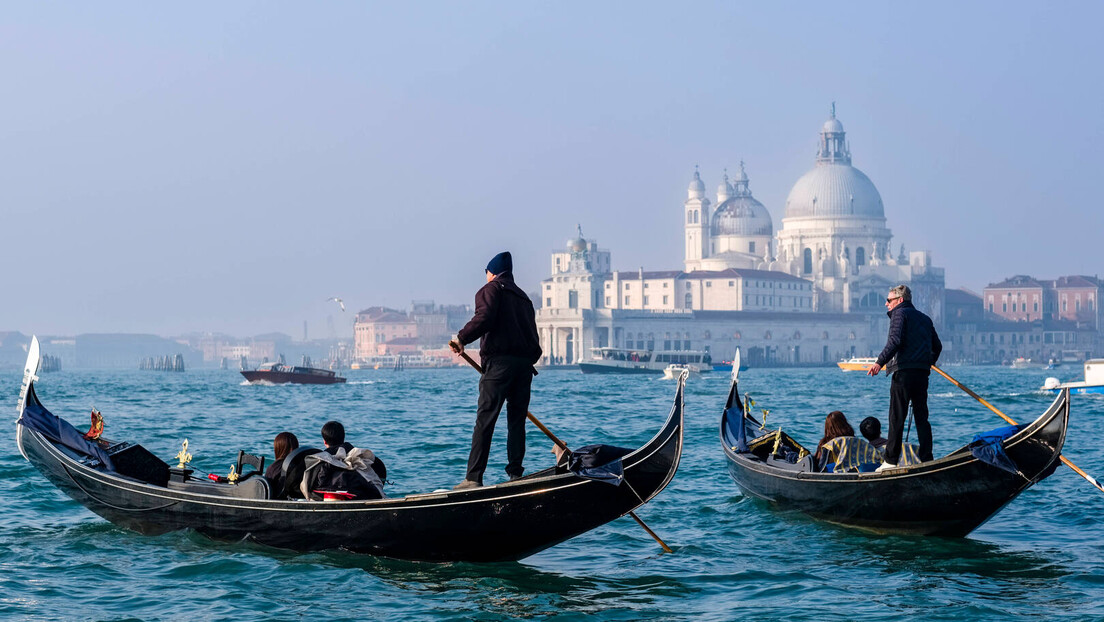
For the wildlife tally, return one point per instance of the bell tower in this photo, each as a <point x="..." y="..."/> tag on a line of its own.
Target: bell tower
<point x="696" y="222"/>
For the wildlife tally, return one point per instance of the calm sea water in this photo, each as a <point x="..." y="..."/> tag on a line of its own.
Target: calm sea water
<point x="735" y="558"/>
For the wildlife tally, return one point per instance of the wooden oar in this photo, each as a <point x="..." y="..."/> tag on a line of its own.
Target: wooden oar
<point x="977" y="397"/>
<point x="563" y="447"/>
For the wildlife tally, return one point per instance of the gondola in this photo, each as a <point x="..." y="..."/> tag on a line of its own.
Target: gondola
<point x="130" y="487"/>
<point x="950" y="496"/>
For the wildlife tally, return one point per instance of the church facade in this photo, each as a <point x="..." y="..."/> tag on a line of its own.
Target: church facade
<point x="808" y="293"/>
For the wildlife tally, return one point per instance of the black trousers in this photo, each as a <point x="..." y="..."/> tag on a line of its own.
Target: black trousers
<point x="908" y="386"/>
<point x="506" y="379"/>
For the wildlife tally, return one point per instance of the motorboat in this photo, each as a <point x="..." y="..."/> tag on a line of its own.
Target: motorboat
<point x="278" y="373"/>
<point x="1093" y="382"/>
<point x="628" y="361"/>
<point x="857" y="363"/>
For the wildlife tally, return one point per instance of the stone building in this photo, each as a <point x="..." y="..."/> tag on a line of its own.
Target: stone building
<point x="810" y="292"/>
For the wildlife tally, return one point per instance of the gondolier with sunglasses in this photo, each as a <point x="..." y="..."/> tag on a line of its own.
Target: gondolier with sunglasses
<point x="910" y="351"/>
<point x="505" y="322"/>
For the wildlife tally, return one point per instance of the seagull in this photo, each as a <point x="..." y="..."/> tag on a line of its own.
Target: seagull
<point x="338" y="301"/>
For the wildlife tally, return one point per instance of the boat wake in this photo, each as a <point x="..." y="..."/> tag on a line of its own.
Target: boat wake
<point x="258" y="383"/>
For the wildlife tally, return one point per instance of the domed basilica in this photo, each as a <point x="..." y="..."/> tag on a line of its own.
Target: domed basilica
<point x="809" y="292"/>
<point x="833" y="233"/>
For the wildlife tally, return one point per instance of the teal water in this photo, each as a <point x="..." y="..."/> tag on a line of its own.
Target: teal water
<point x="735" y="557"/>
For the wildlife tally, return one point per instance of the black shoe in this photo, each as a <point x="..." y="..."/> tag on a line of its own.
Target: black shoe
<point x="467" y="484"/>
<point x="513" y="477"/>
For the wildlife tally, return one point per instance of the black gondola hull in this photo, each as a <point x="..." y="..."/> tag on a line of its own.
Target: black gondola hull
<point x="495" y="523"/>
<point x="951" y="496"/>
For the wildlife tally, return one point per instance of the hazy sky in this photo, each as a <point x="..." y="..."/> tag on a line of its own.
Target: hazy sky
<point x="227" y="166"/>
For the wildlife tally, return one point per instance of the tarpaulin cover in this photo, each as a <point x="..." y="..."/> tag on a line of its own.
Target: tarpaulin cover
<point x="736" y="428"/>
<point x="599" y="462"/>
<point x="989" y="447"/>
<point x="58" y="430"/>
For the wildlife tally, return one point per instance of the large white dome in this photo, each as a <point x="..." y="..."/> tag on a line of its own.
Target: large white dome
<point x="834" y="189"/>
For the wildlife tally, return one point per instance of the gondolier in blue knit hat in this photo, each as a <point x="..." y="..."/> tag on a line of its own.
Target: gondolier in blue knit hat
<point x="505" y="323"/>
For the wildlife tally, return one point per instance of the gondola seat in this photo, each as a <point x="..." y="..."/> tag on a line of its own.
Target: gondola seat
<point x="249" y="488"/>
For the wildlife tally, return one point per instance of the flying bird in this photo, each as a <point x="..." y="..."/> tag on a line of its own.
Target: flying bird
<point x="338" y="301"/>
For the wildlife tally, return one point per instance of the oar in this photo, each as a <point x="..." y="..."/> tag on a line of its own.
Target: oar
<point x="977" y="397"/>
<point x="563" y="447"/>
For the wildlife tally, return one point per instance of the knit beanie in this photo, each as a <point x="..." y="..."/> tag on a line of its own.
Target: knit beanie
<point x="501" y="263"/>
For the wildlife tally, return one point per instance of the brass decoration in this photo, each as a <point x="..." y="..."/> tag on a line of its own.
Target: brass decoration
<point x="97" y="426"/>
<point x="777" y="441"/>
<point x="184" y="457"/>
<point x="233" y="476"/>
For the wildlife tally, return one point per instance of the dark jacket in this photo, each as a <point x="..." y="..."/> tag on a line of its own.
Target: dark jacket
<point x="913" y="342"/>
<point x="505" y="321"/>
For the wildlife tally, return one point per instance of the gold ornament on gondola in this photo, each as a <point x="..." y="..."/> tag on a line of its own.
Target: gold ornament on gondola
<point x="763" y="426"/>
<point x="184" y="457"/>
<point x="777" y="441"/>
<point x="233" y="476"/>
<point x="96" y="429"/>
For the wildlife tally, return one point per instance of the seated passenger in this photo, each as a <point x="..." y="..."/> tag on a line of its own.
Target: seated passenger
<point x="282" y="445"/>
<point x="842" y="449"/>
<point x="343" y="468"/>
<point x="871" y="430"/>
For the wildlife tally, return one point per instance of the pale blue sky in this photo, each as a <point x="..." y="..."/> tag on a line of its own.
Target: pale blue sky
<point x="228" y="166"/>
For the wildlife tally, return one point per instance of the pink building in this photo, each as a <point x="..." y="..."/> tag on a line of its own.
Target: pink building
<point x="376" y="326"/>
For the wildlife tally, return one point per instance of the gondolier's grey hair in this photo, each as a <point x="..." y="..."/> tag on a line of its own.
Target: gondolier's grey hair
<point x="902" y="292"/>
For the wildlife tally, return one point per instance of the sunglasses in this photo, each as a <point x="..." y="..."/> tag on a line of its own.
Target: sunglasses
<point x="889" y="300"/>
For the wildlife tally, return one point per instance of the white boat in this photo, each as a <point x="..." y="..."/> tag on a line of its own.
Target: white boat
<point x="1093" y="382"/>
<point x="857" y="363"/>
<point x="675" y="370"/>
<point x="626" y="361"/>
<point x="1025" y="363"/>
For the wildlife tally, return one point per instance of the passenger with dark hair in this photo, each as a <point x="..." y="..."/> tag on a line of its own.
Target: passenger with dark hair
<point x="284" y="444"/>
<point x="871" y="430"/>
<point x="343" y="471"/>
<point x="333" y="436"/>
<point x="840" y="451"/>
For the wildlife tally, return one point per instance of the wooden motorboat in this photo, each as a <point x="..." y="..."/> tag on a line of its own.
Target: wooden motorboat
<point x="278" y="373"/>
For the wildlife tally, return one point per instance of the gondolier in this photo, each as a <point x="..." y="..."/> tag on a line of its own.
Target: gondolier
<point x="912" y="348"/>
<point x="506" y="323"/>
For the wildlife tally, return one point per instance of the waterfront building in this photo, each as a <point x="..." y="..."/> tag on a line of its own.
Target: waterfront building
<point x="810" y="292"/>
<point x="425" y="327"/>
<point x="1022" y="298"/>
<point x="378" y="325"/>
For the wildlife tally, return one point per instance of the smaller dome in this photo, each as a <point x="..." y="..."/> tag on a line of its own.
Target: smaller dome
<point x="833" y="126"/>
<point x="577" y="244"/>
<point x="724" y="190"/>
<point x="696" y="184"/>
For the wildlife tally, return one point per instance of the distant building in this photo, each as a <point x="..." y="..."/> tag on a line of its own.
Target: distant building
<point x="1022" y="298"/>
<point x="809" y="293"/>
<point x="376" y="326"/>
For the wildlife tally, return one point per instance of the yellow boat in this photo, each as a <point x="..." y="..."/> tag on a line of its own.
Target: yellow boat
<point x="857" y="363"/>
